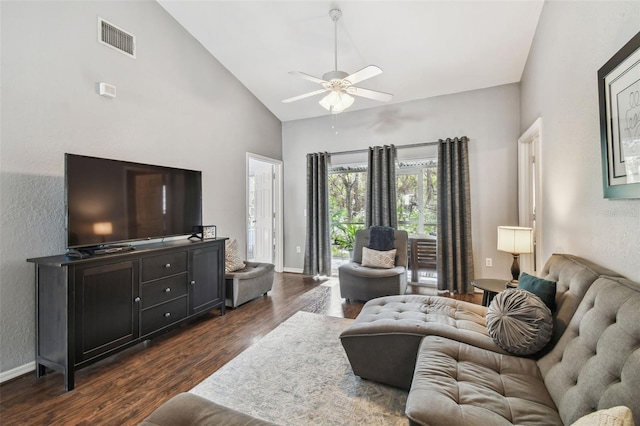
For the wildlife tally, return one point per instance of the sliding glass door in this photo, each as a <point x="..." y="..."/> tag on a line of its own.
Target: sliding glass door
<point x="417" y="200"/>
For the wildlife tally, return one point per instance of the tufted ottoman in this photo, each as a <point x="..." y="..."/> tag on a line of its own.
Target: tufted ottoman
<point x="382" y="343"/>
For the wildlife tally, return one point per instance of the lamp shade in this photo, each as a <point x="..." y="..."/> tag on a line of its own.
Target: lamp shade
<point x="515" y="239"/>
<point x="103" y="228"/>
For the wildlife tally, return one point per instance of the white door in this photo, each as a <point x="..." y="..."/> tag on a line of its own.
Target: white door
<point x="264" y="216"/>
<point x="264" y="210"/>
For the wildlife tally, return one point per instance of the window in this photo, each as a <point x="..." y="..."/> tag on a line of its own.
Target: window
<point x="417" y="197"/>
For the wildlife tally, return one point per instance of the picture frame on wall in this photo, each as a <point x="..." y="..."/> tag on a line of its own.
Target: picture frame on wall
<point x="619" y="97"/>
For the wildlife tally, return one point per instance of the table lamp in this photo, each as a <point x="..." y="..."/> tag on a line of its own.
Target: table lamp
<point x="515" y="240"/>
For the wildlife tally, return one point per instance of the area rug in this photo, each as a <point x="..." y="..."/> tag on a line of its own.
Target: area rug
<point x="299" y="374"/>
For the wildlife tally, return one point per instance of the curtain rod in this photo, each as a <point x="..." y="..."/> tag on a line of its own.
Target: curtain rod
<point x="413" y="145"/>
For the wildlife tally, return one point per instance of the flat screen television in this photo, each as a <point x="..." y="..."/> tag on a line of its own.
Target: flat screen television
<point x="111" y="201"/>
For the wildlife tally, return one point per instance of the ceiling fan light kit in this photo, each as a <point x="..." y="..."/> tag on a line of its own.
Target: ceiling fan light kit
<point x="336" y="102"/>
<point x="340" y="84"/>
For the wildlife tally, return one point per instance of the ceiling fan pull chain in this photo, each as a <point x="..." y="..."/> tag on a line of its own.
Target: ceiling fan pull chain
<point x="334" y="121"/>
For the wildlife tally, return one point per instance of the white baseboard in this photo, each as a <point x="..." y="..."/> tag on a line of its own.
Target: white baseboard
<point x="293" y="270"/>
<point x="18" y="371"/>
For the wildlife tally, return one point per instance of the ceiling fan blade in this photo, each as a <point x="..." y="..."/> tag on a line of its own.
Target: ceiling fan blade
<point x="371" y="94"/>
<point x="307" y="77"/>
<point x="363" y="74"/>
<point x="306" y="95"/>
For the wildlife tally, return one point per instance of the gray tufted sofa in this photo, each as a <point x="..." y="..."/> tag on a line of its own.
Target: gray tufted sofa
<point x="459" y="376"/>
<point x="382" y="343"/>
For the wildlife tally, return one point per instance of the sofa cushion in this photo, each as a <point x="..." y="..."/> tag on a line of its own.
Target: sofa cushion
<point x="519" y="322"/>
<point x="233" y="260"/>
<point x="458" y="384"/>
<point x="544" y="289"/>
<point x="356" y="269"/>
<point x="573" y="277"/>
<point x="251" y="270"/>
<point x="378" y="259"/>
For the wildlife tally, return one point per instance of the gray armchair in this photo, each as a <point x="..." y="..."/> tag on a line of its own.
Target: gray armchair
<point x="359" y="282"/>
<point x="252" y="281"/>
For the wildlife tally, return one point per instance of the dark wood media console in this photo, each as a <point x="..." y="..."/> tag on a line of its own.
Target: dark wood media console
<point x="88" y="309"/>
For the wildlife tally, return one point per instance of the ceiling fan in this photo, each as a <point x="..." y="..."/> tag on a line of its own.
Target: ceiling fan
<point x="339" y="83"/>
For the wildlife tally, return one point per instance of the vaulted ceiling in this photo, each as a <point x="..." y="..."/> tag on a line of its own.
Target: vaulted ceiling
<point x="425" y="48"/>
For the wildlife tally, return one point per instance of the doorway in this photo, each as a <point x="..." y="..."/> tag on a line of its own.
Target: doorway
<point x="264" y="210"/>
<point x="530" y="193"/>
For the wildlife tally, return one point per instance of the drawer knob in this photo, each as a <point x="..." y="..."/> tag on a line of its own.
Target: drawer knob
<point x="167" y="315"/>
<point x="193" y="282"/>
<point x="167" y="290"/>
<point x="137" y="299"/>
<point x="168" y="265"/>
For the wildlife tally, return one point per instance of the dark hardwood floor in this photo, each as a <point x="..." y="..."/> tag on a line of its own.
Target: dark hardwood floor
<point x="127" y="387"/>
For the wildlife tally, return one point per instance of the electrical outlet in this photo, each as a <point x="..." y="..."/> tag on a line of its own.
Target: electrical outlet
<point x="488" y="262"/>
<point x="297" y="249"/>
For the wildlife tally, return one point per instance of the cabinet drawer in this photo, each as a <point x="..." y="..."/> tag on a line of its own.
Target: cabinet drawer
<point x="163" y="315"/>
<point x="164" y="265"/>
<point x="162" y="290"/>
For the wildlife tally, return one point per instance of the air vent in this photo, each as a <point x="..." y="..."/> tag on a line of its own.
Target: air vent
<point x="107" y="90"/>
<point x="117" y="38"/>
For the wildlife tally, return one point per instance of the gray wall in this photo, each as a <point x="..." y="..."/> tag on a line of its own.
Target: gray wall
<point x="559" y="84"/>
<point x="489" y="117"/>
<point x="176" y="106"/>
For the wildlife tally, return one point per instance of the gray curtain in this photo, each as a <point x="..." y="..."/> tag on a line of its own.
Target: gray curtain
<point x="317" y="253"/>
<point x="381" y="187"/>
<point x="455" y="258"/>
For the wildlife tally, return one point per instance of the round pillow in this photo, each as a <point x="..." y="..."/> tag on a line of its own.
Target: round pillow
<point x="519" y="322"/>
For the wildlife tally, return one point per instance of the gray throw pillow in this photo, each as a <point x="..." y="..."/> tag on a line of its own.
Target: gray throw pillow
<point x="519" y="322"/>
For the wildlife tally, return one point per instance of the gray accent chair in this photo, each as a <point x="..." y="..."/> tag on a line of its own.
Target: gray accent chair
<point x="359" y="282"/>
<point x="254" y="280"/>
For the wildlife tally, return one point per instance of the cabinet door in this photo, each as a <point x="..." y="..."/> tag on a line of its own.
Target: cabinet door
<point x="206" y="289"/>
<point x="107" y="313"/>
